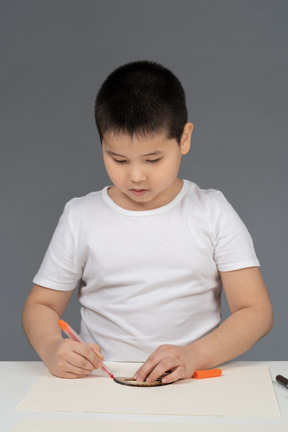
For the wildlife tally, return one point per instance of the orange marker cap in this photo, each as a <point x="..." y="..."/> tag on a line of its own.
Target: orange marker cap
<point x="63" y="324"/>
<point x="210" y="373"/>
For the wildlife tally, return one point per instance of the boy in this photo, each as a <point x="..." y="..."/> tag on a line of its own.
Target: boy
<point x="151" y="252"/>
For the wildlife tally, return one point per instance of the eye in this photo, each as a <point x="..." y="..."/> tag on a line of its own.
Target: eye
<point x="119" y="161"/>
<point x="154" y="160"/>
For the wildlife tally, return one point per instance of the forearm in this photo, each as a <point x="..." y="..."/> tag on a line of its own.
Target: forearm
<point x="63" y="357"/>
<point x="238" y="333"/>
<point x="232" y="338"/>
<point x="40" y="324"/>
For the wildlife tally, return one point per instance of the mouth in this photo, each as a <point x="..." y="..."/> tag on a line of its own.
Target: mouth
<point x="138" y="192"/>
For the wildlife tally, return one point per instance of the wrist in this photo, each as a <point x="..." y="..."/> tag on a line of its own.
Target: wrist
<point x="199" y="355"/>
<point x="47" y="348"/>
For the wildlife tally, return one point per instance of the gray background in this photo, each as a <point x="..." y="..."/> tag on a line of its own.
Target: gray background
<point x="231" y="57"/>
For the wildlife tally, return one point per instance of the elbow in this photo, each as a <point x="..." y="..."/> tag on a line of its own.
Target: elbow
<point x="268" y="319"/>
<point x="270" y="322"/>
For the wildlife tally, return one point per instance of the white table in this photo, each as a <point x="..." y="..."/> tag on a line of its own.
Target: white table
<point x="18" y="377"/>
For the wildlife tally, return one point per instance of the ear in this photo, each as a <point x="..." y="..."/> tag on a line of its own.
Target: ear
<point x="186" y="138"/>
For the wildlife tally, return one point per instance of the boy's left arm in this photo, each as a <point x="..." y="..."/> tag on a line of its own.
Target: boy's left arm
<point x="251" y="318"/>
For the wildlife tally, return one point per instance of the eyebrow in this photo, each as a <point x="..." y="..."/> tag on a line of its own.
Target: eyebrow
<point x="155" y="153"/>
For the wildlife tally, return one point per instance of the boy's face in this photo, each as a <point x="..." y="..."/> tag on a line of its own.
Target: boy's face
<point x="144" y="169"/>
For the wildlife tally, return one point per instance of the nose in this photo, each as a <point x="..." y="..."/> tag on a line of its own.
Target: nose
<point x="137" y="174"/>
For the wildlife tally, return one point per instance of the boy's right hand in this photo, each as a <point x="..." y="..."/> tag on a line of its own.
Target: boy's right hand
<point x="70" y="359"/>
<point x="64" y="358"/>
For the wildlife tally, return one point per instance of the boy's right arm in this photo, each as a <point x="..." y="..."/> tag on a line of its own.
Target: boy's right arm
<point x="63" y="357"/>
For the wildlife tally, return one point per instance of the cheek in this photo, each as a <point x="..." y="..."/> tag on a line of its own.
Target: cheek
<point x="115" y="172"/>
<point x="171" y="168"/>
<point x="109" y="168"/>
<point x="165" y="176"/>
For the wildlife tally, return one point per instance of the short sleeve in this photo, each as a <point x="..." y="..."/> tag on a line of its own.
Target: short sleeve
<point x="60" y="268"/>
<point x="233" y="245"/>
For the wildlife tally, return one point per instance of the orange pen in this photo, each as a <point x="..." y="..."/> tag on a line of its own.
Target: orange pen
<point x="209" y="373"/>
<point x="74" y="336"/>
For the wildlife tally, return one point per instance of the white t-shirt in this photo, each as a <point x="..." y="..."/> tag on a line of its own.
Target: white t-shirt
<point x="146" y="277"/>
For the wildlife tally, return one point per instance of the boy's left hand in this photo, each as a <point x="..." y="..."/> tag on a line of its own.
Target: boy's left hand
<point x="177" y="361"/>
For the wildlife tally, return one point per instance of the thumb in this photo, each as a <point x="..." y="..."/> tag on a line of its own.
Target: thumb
<point x="96" y="348"/>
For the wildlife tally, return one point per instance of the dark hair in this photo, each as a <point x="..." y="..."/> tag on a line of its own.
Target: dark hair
<point x="142" y="97"/>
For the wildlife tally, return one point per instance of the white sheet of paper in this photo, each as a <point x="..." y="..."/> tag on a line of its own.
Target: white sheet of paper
<point x="240" y="392"/>
<point x="60" y="425"/>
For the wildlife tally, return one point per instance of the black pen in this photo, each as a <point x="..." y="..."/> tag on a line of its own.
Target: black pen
<point x="282" y="380"/>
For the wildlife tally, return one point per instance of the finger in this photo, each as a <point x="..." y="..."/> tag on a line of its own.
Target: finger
<point x="177" y="374"/>
<point x="144" y="370"/>
<point x="154" y="367"/>
<point x="97" y="350"/>
<point x="69" y="375"/>
<point x="69" y="370"/>
<point x="75" y="372"/>
<point x="80" y="362"/>
<point x="63" y="374"/>
<point x="161" y="369"/>
<point x="89" y="354"/>
<point x="161" y="353"/>
<point x="152" y="361"/>
<point x="73" y="360"/>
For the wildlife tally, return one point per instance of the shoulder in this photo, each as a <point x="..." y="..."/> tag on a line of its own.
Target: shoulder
<point x="203" y="198"/>
<point x="209" y="205"/>
<point x="84" y="206"/>
<point x="89" y="199"/>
